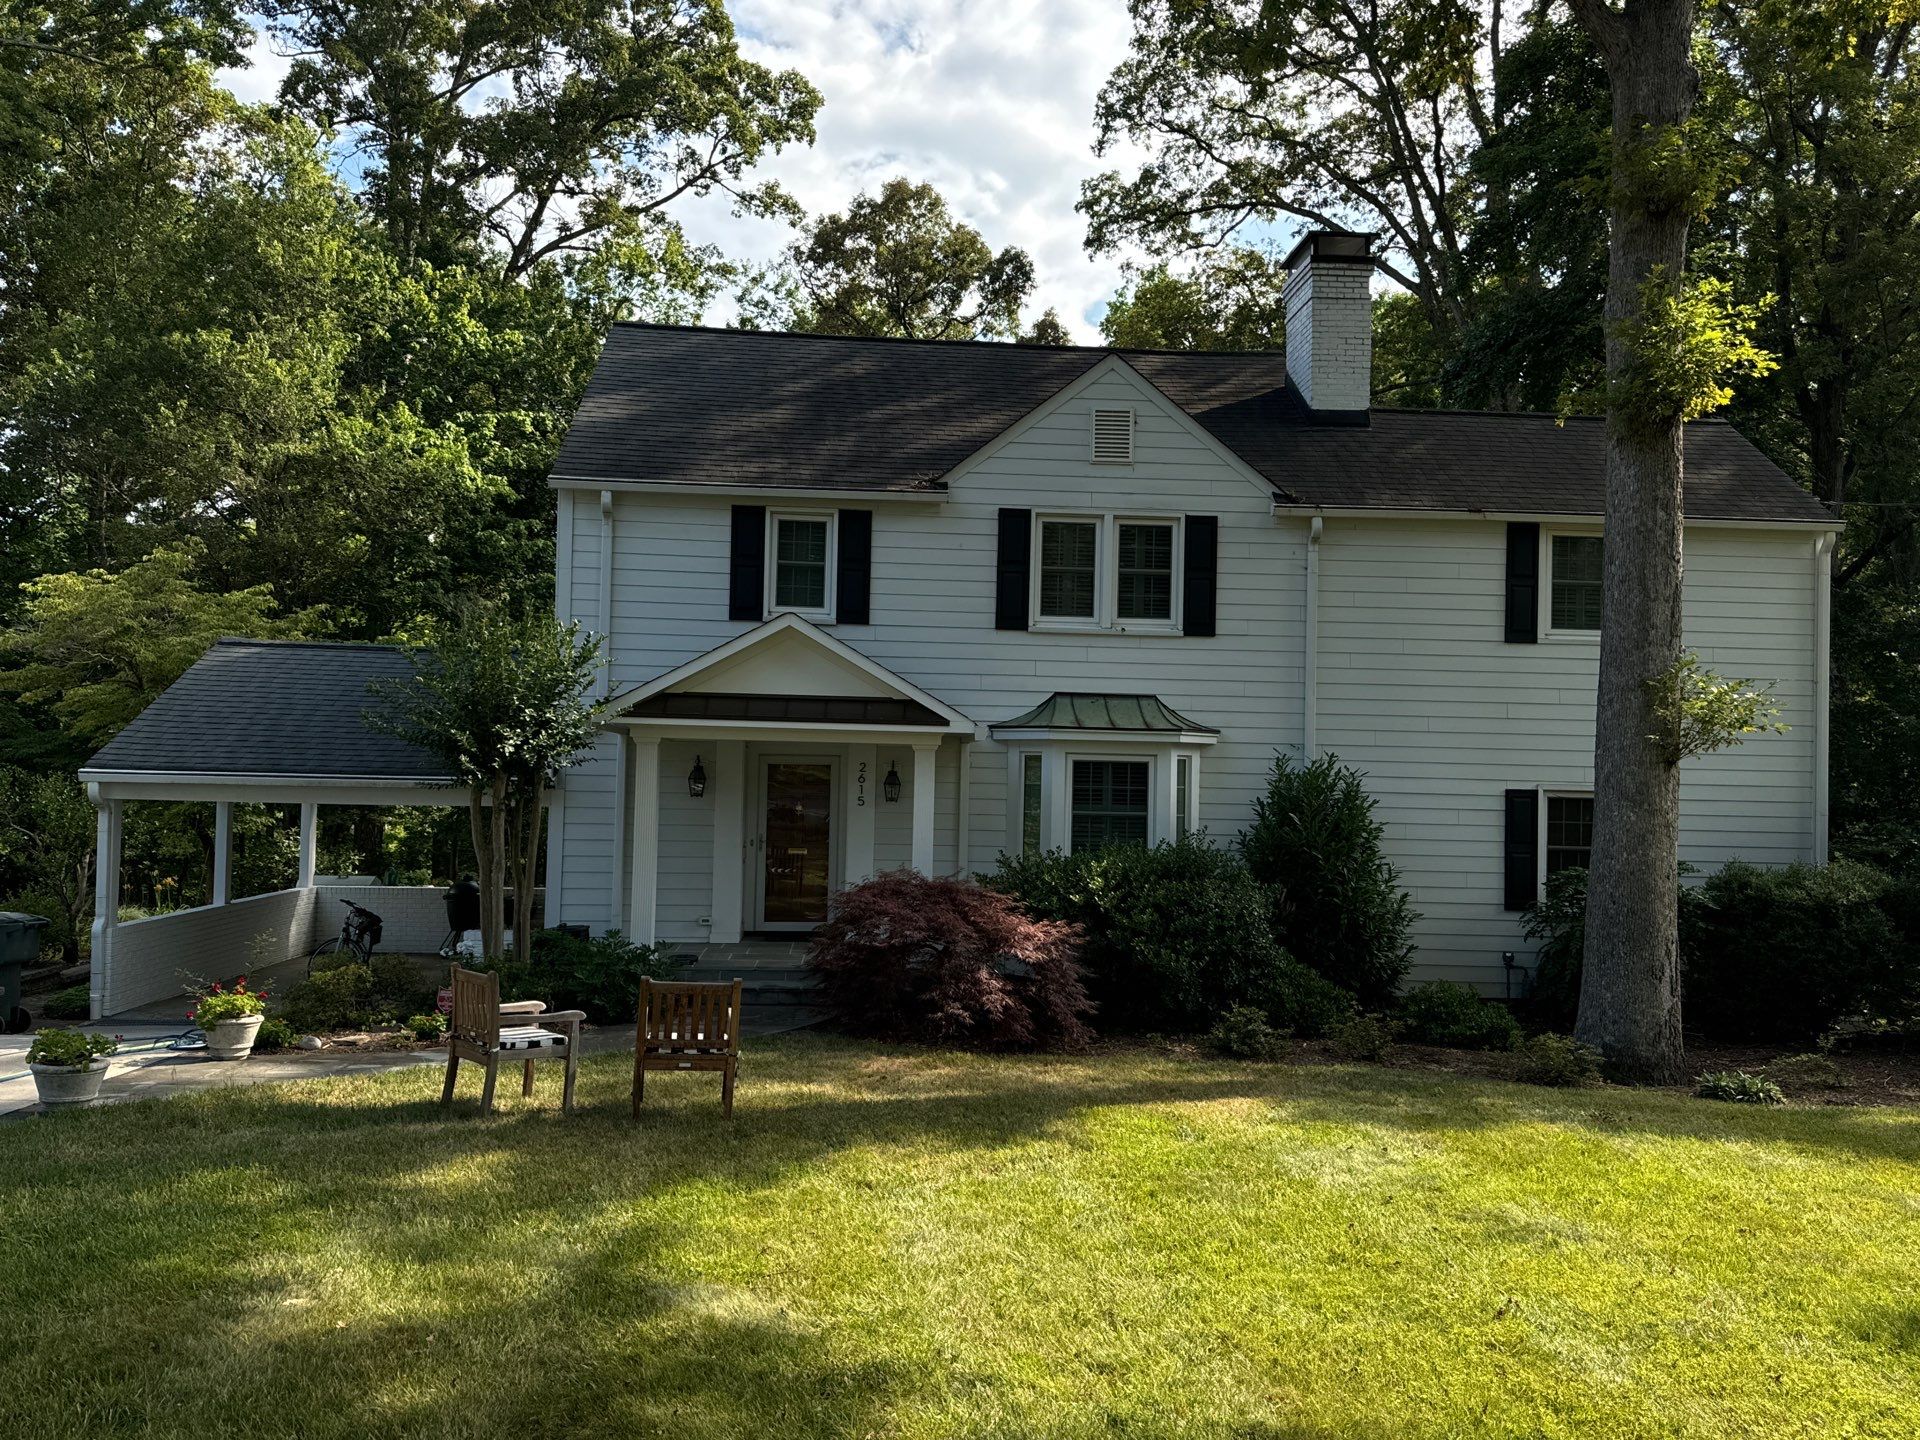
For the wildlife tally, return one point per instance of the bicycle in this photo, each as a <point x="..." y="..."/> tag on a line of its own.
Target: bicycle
<point x="359" y="933"/>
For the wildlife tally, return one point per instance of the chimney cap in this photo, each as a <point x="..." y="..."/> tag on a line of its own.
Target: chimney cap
<point x="1352" y="247"/>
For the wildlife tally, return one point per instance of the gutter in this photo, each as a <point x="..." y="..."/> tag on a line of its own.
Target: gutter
<point x="1282" y="509"/>
<point x="631" y="485"/>
<point x="1822" y="688"/>
<point x="1310" y="653"/>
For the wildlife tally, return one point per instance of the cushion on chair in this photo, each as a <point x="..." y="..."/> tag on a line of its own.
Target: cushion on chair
<point x="531" y="1037"/>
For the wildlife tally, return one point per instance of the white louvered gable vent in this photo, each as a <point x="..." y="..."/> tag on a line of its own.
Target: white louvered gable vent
<point x="1113" y="437"/>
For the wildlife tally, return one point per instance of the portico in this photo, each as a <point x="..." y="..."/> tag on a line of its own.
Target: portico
<point x="769" y="773"/>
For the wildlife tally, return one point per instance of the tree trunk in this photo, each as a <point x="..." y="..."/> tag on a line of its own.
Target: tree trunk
<point x="528" y="816"/>
<point x="1630" y="988"/>
<point x="490" y="861"/>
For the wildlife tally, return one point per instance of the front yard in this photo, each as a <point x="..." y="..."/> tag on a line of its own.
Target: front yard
<point x="927" y="1244"/>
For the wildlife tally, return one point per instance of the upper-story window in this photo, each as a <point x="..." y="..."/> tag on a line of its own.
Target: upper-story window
<point x="800" y="563"/>
<point x="1578" y="578"/>
<point x="1106" y="572"/>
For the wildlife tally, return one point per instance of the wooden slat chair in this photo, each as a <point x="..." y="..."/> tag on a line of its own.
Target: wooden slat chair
<point x="485" y="1031"/>
<point x="687" y="1025"/>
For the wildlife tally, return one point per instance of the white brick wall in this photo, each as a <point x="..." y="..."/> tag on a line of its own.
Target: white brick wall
<point x="1330" y="334"/>
<point x="158" y="957"/>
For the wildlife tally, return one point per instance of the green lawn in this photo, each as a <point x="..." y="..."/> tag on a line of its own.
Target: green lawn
<point x="921" y="1244"/>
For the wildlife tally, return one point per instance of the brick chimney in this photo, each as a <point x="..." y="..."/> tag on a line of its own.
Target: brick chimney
<point x="1330" y="324"/>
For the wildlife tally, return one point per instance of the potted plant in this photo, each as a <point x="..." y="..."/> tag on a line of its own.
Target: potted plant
<point x="230" y="1019"/>
<point x="69" y="1065"/>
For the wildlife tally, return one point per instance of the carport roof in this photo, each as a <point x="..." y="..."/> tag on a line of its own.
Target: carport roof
<point x="293" y="709"/>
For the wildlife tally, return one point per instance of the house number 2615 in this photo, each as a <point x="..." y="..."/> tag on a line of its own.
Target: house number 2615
<point x="860" y="783"/>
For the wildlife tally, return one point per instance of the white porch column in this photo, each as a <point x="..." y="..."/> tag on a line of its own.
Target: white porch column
<point x="106" y="899"/>
<point x="923" y="790"/>
<point x="862" y="791"/>
<point x="222" y="850"/>
<point x="644" y="886"/>
<point x="616" y="878"/>
<point x="727" y="792"/>
<point x="309" y="840"/>
<point x="963" y="818"/>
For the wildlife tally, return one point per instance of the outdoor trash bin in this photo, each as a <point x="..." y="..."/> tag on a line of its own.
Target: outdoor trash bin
<point x="19" y="943"/>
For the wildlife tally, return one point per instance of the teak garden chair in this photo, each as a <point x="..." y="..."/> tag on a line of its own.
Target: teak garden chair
<point x="475" y="1032"/>
<point x="687" y="1025"/>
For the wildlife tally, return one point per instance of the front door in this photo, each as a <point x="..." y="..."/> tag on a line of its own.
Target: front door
<point x="796" y="832"/>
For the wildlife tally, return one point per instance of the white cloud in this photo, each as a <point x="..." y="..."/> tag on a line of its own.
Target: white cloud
<point x="989" y="100"/>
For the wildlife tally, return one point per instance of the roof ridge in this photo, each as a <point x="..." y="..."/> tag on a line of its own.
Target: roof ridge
<point x="311" y="644"/>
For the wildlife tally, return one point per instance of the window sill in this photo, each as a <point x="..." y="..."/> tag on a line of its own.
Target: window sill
<point x="1570" y="637"/>
<point x="1087" y="627"/>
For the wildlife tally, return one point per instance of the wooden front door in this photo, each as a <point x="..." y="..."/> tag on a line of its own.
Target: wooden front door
<point x="796" y="846"/>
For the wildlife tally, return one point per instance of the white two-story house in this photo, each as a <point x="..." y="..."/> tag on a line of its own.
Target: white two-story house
<point x="884" y="603"/>
<point x="876" y="603"/>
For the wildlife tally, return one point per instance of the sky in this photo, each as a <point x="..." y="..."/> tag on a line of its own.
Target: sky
<point x="990" y="100"/>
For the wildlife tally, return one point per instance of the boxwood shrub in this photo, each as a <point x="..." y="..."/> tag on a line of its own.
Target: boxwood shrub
<point x="1176" y="936"/>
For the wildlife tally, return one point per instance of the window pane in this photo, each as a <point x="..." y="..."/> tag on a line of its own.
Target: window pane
<point x="1182" y="794"/>
<point x="1067" y="551"/>
<point x="1578" y="575"/>
<point x="1029" y="804"/>
<point x="1569" y="832"/>
<point x="1109" y="803"/>
<point x="800" y="565"/>
<point x="1146" y="572"/>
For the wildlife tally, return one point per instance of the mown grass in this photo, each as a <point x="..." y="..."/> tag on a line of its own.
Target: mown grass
<point x="921" y="1244"/>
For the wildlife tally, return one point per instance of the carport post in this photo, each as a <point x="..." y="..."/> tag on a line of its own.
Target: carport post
<point x="222" y="849"/>
<point x="106" y="897"/>
<point x="309" y="835"/>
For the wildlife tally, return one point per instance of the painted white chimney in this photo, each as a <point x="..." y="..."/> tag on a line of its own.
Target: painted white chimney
<point x="1329" y="304"/>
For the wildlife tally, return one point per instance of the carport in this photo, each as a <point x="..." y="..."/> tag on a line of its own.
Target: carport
<point x="256" y="722"/>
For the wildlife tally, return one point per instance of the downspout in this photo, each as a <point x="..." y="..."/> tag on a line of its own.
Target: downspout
<point x="1310" y="654"/>
<point x="1822" y="686"/>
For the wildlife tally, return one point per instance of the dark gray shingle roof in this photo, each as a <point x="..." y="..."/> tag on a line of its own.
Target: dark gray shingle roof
<point x="789" y="709"/>
<point x="268" y="707"/>
<point x="1074" y="710"/>
<point x="728" y="408"/>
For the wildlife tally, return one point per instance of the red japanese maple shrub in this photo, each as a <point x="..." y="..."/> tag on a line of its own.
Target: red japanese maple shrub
<point x="945" y="962"/>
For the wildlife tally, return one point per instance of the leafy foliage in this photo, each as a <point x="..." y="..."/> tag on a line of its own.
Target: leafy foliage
<point x="1175" y="936"/>
<point x="1443" y="1013"/>
<point x="1559" y="1061"/>
<point x="1230" y="301"/>
<point x="73" y="1003"/>
<point x="74" y="1048"/>
<point x="275" y="1034"/>
<point x="340" y="998"/>
<point x="1244" y="1033"/>
<point x="1364" y="1037"/>
<point x="427" y="1027"/>
<point x="219" y="1003"/>
<point x="1739" y="1088"/>
<point x="46" y="852"/>
<point x="899" y="264"/>
<point x="600" y="976"/>
<point x="1687" y="342"/>
<point x="1698" y="712"/>
<point x="947" y="962"/>
<point x="1814" y="1070"/>
<point x="1334" y="900"/>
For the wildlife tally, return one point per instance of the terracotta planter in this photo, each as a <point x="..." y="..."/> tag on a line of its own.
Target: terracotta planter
<point x="233" y="1039"/>
<point x="70" y="1084"/>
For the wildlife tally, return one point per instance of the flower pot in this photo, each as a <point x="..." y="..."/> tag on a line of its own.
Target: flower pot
<point x="233" y="1039"/>
<point x="70" y="1084"/>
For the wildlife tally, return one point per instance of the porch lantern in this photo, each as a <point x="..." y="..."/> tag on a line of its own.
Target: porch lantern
<point x="697" y="779"/>
<point x="890" y="787"/>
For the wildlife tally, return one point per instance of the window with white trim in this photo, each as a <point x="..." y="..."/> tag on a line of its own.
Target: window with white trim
<point x="800" y="563"/>
<point x="1107" y="572"/>
<point x="1109" y="803"/>
<point x="1182" y="796"/>
<point x="1031" y="799"/>
<point x="1576" y="579"/>
<point x="1569" y="826"/>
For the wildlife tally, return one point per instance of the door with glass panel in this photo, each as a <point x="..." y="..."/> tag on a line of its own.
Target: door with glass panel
<point x="796" y="842"/>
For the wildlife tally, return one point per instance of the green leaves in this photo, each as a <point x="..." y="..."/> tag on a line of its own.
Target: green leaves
<point x="1684" y="348"/>
<point x="1698" y="712"/>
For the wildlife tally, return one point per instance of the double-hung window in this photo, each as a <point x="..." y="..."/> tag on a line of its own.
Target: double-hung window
<point x="1577" y="577"/>
<point x="1107" y="572"/>
<point x="1569" y="832"/>
<point x="800" y="564"/>
<point x="1109" y="803"/>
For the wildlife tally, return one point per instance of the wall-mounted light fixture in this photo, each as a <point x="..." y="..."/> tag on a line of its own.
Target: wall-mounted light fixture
<point x="890" y="787"/>
<point x="697" y="779"/>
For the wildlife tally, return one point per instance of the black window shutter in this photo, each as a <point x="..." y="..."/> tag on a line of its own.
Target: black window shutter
<point x="853" y="605"/>
<point x="1016" y="564"/>
<point x="1523" y="840"/>
<point x="747" y="576"/>
<point x="1523" y="583"/>
<point x="1198" y="601"/>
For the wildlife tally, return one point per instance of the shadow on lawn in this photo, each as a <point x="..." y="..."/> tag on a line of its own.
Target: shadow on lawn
<point x="609" y="1314"/>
